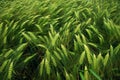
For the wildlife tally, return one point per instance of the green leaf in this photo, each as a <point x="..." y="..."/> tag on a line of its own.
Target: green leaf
<point x="57" y="55"/>
<point x="52" y="31"/>
<point x="64" y="50"/>
<point x="111" y="50"/>
<point x="99" y="60"/>
<point x="82" y="76"/>
<point x="15" y="25"/>
<point x="47" y="66"/>
<point x="33" y="37"/>
<point x="93" y="44"/>
<point x="43" y="46"/>
<point x="116" y="49"/>
<point x="75" y="45"/>
<point x="77" y="14"/>
<point x="95" y="75"/>
<point x="54" y="61"/>
<point x="88" y="53"/>
<point x="101" y="39"/>
<point x="77" y="28"/>
<point x="48" y="55"/>
<point x="26" y="36"/>
<point x="58" y="76"/>
<point x="42" y="67"/>
<point x="94" y="29"/>
<point x="95" y="64"/>
<point x="83" y="38"/>
<point x="29" y="58"/>
<point x="86" y="73"/>
<point x="82" y="57"/>
<point x="24" y="23"/>
<point x="21" y="47"/>
<point x="67" y="75"/>
<point x="2" y="67"/>
<point x="8" y="53"/>
<point x="54" y="39"/>
<point x="39" y="27"/>
<point x="106" y="59"/>
<point x="50" y="35"/>
<point x="89" y="33"/>
<point x="88" y="21"/>
<point x="10" y="71"/>
<point x="79" y="39"/>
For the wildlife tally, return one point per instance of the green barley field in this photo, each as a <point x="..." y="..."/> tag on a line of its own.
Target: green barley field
<point x="59" y="39"/>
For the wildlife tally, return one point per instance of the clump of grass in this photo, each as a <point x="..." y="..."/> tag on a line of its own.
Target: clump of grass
<point x="57" y="40"/>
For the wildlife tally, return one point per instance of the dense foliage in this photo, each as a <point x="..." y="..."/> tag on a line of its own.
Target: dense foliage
<point x="59" y="39"/>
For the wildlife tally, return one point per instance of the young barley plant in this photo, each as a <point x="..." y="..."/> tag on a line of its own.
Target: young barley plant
<point x="59" y="40"/>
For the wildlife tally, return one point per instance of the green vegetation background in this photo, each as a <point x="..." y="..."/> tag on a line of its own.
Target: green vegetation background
<point x="59" y="39"/>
